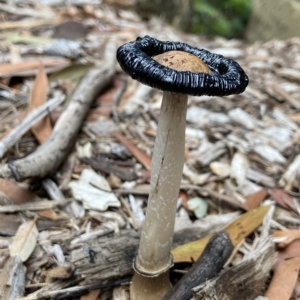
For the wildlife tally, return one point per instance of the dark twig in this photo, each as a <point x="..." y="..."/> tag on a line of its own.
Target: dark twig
<point x="107" y="167"/>
<point x="207" y="266"/>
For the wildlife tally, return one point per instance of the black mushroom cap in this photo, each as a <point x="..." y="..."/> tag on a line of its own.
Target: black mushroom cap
<point x="227" y="76"/>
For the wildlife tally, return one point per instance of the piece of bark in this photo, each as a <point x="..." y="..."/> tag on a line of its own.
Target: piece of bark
<point x="55" y="289"/>
<point x="106" y="258"/>
<point x="139" y="154"/>
<point x="9" y="224"/>
<point x="12" y="279"/>
<point x="107" y="167"/>
<point x="49" y="156"/>
<point x="34" y="206"/>
<point x="58" y="291"/>
<point x="243" y="281"/>
<point x="111" y="256"/>
<point x="208" y="264"/>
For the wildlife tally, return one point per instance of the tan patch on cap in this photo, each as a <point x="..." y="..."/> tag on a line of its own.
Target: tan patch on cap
<point x="182" y="61"/>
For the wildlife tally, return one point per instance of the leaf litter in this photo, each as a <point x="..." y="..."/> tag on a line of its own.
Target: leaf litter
<point x="65" y="234"/>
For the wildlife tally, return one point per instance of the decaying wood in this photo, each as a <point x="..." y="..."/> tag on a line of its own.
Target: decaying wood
<point x="110" y="257"/>
<point x="50" y="155"/>
<point x="54" y="289"/>
<point x="246" y="279"/>
<point x="208" y="265"/>
<point x="106" y="258"/>
<point x="12" y="279"/>
<point x="72" y="292"/>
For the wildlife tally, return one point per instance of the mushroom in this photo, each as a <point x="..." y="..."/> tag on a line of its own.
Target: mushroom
<point x="179" y="70"/>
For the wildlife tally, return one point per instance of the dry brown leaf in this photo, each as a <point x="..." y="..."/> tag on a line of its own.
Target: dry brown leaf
<point x="254" y="200"/>
<point x="15" y="193"/>
<point x="7" y="70"/>
<point x="237" y="230"/>
<point x="290" y="235"/>
<point x="283" y="199"/>
<point x="48" y="214"/>
<point x="93" y="295"/>
<point x="43" y="128"/>
<point x="24" y="240"/>
<point x="292" y="250"/>
<point x="284" y="279"/>
<point x="139" y="154"/>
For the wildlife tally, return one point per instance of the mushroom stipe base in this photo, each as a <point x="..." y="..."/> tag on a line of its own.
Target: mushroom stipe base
<point x="145" y="288"/>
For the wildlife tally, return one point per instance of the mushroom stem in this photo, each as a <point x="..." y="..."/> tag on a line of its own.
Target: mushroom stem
<point x="154" y="256"/>
<point x="150" y="288"/>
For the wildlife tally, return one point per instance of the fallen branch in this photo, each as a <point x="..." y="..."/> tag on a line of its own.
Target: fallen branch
<point x="109" y="257"/>
<point x="246" y="279"/>
<point x="49" y="156"/>
<point x="28" y="122"/>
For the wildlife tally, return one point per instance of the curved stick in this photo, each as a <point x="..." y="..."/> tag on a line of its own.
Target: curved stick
<point x="48" y="157"/>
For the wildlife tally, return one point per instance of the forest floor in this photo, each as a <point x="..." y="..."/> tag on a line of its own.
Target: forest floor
<point x="71" y="230"/>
